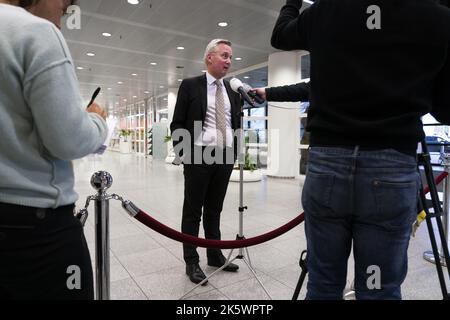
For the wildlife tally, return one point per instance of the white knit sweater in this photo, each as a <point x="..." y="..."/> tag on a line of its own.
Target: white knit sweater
<point x="43" y="125"/>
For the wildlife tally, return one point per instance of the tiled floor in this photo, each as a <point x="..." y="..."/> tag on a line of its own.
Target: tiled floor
<point x="146" y="265"/>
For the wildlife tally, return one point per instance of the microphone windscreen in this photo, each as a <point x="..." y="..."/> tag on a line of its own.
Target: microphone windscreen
<point x="235" y="84"/>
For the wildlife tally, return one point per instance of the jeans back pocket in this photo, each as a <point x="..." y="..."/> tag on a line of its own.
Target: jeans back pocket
<point x="317" y="191"/>
<point x="396" y="203"/>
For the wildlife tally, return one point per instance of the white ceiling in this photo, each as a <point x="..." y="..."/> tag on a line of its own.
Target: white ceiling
<point x="151" y="31"/>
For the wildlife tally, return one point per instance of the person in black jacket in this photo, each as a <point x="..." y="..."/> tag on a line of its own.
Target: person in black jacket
<point x="206" y="114"/>
<point x="377" y="66"/>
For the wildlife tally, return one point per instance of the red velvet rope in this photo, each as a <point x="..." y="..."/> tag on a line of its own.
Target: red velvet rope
<point x="232" y="244"/>
<point x="439" y="179"/>
<point x="219" y="244"/>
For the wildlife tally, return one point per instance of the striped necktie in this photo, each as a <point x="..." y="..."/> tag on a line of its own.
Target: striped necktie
<point x="221" y="125"/>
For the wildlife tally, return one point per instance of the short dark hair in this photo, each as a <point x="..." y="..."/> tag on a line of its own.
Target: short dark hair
<point x="29" y="3"/>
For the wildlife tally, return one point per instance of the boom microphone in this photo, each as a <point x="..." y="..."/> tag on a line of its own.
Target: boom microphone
<point x="238" y="86"/>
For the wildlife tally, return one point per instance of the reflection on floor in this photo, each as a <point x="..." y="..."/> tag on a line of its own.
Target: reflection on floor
<point x="146" y="265"/>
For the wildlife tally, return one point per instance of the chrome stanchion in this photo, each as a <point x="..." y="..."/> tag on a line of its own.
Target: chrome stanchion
<point x="102" y="181"/>
<point x="428" y="255"/>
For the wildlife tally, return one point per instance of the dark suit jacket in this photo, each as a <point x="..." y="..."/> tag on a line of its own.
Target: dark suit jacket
<point x="192" y="102"/>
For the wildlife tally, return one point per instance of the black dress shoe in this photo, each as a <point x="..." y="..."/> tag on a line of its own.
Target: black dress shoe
<point x="230" y="267"/>
<point x="195" y="273"/>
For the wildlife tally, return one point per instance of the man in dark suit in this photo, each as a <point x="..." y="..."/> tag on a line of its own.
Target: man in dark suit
<point x="208" y="110"/>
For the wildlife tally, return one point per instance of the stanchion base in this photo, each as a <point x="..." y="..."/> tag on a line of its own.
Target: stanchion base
<point x="429" y="256"/>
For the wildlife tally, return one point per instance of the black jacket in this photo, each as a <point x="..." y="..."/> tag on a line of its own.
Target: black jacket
<point x="192" y="103"/>
<point x="295" y="92"/>
<point x="370" y="87"/>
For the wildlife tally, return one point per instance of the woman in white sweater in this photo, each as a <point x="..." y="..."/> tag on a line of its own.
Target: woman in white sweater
<point x="43" y="125"/>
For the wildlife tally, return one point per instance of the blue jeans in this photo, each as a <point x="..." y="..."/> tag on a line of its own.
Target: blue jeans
<point x="365" y="198"/>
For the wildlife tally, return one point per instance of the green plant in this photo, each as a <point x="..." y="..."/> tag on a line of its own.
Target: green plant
<point x="167" y="139"/>
<point x="125" y="134"/>
<point x="248" y="165"/>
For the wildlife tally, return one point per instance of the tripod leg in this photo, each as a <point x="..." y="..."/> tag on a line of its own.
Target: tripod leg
<point x="432" y="236"/>
<point x="437" y="214"/>
<point x="209" y="276"/>
<point x="257" y="279"/>
<point x="299" y="285"/>
<point x="248" y="257"/>
<point x="304" y="268"/>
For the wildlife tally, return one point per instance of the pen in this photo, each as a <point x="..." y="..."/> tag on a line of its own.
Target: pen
<point x="96" y="92"/>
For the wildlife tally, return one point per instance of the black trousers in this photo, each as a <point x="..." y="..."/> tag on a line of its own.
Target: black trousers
<point x="43" y="255"/>
<point x="205" y="187"/>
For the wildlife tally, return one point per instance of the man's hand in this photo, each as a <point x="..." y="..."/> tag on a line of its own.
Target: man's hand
<point x="260" y="92"/>
<point x="95" y="108"/>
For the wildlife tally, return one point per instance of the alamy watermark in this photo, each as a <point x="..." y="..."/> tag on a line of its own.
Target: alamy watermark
<point x="73" y="21"/>
<point x="74" y="280"/>
<point x="188" y="147"/>
<point x="374" y="280"/>
<point x="374" y="20"/>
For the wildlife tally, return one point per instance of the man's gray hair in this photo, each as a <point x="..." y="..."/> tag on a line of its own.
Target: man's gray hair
<point x="212" y="46"/>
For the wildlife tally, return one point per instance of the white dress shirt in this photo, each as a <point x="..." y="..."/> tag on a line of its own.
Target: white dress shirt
<point x="209" y="131"/>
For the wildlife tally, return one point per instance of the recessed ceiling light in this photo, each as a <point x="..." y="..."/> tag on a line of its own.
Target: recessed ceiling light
<point x="106" y="34"/>
<point x="134" y="74"/>
<point x="161" y="87"/>
<point x="223" y="24"/>
<point x="238" y="59"/>
<point x="146" y="92"/>
<point x="246" y="77"/>
<point x="119" y="82"/>
<point x="204" y="71"/>
<point x="124" y="100"/>
<point x="135" y="97"/>
<point x="109" y="88"/>
<point x="180" y="48"/>
<point x="90" y="54"/>
<point x="179" y="80"/>
<point x="153" y="63"/>
<point x="80" y="68"/>
<point x="165" y="99"/>
<point x="133" y="1"/>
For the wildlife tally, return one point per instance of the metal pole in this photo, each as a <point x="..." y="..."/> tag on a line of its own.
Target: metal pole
<point x="102" y="181"/>
<point x="241" y="146"/>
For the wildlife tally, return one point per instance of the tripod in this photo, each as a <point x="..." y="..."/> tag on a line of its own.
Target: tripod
<point x="423" y="160"/>
<point x="243" y="252"/>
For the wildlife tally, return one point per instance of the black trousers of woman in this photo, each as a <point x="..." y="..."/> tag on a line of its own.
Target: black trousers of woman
<point x="43" y="255"/>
